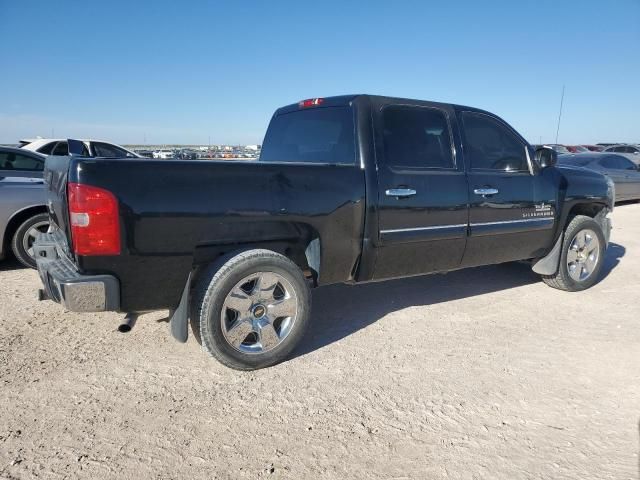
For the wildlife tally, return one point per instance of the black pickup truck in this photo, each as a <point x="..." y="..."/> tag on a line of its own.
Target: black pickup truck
<point x="347" y="189"/>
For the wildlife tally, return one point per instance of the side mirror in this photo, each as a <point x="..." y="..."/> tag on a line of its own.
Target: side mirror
<point x="546" y="157"/>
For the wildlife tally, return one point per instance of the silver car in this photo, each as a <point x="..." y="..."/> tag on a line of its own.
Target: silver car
<point x="23" y="211"/>
<point x="624" y="173"/>
<point x="632" y="152"/>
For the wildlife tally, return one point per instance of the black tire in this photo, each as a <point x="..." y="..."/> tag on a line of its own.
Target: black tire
<point x="215" y="283"/>
<point x="562" y="280"/>
<point x="22" y="238"/>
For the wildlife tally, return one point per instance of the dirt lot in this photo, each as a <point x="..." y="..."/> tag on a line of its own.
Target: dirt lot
<point x="484" y="373"/>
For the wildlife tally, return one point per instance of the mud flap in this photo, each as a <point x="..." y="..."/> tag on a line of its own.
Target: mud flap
<point x="548" y="265"/>
<point x="605" y="224"/>
<point x="179" y="322"/>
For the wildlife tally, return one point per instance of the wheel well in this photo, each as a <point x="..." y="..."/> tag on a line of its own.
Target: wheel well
<point x="303" y="249"/>
<point x="17" y="220"/>
<point x="587" y="209"/>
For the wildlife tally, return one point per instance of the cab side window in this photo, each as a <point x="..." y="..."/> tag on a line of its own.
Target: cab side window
<point x="490" y="145"/>
<point x="416" y="137"/>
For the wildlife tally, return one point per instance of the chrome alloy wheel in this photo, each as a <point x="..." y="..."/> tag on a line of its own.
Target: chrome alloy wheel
<point x="30" y="237"/>
<point x="583" y="255"/>
<point x="259" y="312"/>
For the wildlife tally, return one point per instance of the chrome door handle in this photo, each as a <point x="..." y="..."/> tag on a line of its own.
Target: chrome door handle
<point x="485" y="191"/>
<point x="400" y="192"/>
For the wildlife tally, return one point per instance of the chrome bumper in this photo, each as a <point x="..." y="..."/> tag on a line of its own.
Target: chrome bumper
<point x="65" y="285"/>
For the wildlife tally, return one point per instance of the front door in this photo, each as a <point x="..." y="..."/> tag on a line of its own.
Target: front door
<point x="512" y="206"/>
<point x="422" y="191"/>
<point x="624" y="174"/>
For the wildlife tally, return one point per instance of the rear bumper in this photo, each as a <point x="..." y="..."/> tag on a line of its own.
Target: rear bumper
<point x="65" y="285"/>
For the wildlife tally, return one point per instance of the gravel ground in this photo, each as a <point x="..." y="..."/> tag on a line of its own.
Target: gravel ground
<point x="483" y="373"/>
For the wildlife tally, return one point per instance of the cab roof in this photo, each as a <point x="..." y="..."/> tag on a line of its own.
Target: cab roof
<point x="345" y="100"/>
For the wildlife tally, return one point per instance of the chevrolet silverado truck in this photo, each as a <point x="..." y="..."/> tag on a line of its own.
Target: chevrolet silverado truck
<point x="347" y="189"/>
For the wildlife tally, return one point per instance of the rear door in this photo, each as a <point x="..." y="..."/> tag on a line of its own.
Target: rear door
<point x="422" y="190"/>
<point x="512" y="205"/>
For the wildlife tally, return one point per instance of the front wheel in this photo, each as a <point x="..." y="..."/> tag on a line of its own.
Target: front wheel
<point x="582" y="256"/>
<point x="251" y="311"/>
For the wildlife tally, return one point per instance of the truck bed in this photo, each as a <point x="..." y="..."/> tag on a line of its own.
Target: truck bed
<point x="175" y="214"/>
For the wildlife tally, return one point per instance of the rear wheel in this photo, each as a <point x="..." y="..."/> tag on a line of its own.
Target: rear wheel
<point x="251" y="311"/>
<point x="582" y="256"/>
<point x="22" y="242"/>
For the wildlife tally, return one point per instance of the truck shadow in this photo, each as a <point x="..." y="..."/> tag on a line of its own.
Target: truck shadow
<point x="341" y="310"/>
<point x="10" y="263"/>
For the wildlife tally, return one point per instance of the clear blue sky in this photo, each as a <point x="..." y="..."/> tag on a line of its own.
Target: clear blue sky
<point x="181" y="72"/>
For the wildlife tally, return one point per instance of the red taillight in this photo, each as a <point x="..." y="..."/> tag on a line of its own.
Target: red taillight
<point x="95" y="227"/>
<point x="311" y="102"/>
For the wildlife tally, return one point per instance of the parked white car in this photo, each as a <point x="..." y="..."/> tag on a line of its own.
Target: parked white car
<point x="94" y="148"/>
<point x="164" y="153"/>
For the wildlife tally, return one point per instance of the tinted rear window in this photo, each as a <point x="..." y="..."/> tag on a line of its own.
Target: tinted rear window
<point x="416" y="137"/>
<point x="317" y="135"/>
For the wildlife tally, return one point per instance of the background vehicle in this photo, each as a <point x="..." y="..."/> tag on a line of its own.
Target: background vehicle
<point x="559" y="149"/>
<point x="347" y="189"/>
<point x="593" y="148"/>
<point x="164" y="153"/>
<point x="23" y="212"/>
<point x="632" y="152"/>
<point x="577" y="148"/>
<point x="92" y="148"/>
<point x="624" y="173"/>
<point x="145" y="153"/>
<point x="186" y="154"/>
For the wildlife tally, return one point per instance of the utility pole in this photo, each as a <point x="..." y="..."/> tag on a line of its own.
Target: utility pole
<point x="560" y="114"/>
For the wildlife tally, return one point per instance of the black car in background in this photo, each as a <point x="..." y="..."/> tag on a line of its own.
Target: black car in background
<point x="624" y="173"/>
<point x="186" y="154"/>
